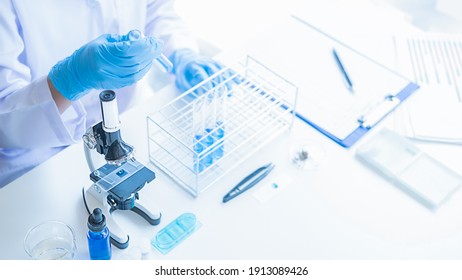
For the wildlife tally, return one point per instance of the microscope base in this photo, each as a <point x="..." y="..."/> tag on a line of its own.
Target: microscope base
<point x="119" y="237"/>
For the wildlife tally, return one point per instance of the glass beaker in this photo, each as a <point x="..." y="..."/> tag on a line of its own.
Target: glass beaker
<point x="51" y="240"/>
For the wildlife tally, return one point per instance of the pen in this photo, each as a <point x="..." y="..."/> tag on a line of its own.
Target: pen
<point x="249" y="181"/>
<point x="342" y="69"/>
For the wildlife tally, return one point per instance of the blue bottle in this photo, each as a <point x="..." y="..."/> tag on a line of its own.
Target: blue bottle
<point x="98" y="236"/>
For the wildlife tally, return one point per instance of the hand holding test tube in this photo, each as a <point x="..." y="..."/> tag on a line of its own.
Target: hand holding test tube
<point x="162" y="59"/>
<point x="116" y="62"/>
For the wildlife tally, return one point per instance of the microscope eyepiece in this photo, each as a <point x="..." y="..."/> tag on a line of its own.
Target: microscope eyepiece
<point x="107" y="95"/>
<point x="109" y="141"/>
<point x="110" y="111"/>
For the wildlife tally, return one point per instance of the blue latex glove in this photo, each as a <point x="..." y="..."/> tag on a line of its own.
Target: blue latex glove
<point x="191" y="68"/>
<point x="108" y="62"/>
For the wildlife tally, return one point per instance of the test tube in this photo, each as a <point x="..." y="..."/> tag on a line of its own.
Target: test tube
<point x="220" y="116"/>
<point x="209" y="121"/>
<point x="202" y="158"/>
<point x="166" y="64"/>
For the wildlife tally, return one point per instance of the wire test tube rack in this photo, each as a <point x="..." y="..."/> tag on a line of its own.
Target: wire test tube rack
<point x="207" y="131"/>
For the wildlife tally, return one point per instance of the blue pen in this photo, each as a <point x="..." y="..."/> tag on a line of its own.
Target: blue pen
<point x="348" y="81"/>
<point x="249" y="181"/>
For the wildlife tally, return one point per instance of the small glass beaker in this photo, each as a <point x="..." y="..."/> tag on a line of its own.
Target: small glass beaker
<point x="51" y="240"/>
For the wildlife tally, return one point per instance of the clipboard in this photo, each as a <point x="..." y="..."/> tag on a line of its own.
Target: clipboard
<point x="303" y="53"/>
<point x="366" y="122"/>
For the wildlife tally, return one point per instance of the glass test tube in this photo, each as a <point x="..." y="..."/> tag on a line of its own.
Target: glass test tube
<point x="166" y="64"/>
<point x="209" y="114"/>
<point x="200" y="160"/>
<point x="220" y="115"/>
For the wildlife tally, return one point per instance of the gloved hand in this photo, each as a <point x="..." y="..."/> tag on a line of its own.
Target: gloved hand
<point x="108" y="62"/>
<point x="191" y="68"/>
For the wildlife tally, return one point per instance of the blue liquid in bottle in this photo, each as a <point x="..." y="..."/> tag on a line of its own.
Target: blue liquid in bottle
<point x="98" y="236"/>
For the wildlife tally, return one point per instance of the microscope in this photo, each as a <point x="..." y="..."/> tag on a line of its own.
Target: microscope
<point x="116" y="184"/>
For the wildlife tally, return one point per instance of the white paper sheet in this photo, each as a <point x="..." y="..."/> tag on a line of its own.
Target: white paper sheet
<point x="434" y="61"/>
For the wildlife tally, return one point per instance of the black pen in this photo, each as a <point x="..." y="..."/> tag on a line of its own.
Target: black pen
<point x="349" y="84"/>
<point x="249" y="181"/>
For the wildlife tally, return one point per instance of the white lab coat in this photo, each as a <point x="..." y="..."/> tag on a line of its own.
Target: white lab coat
<point x="37" y="34"/>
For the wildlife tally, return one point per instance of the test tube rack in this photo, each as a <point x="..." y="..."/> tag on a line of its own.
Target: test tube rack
<point x="260" y="106"/>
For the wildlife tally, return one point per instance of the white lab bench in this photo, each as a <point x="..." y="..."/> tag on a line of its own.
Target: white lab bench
<point x="341" y="210"/>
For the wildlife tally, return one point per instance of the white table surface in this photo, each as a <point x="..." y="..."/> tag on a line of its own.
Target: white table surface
<point x="341" y="210"/>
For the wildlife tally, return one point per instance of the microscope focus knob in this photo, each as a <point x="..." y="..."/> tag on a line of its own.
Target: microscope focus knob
<point x="89" y="141"/>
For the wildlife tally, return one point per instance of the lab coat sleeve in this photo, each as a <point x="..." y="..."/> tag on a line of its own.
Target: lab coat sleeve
<point x="29" y="117"/>
<point x="164" y="23"/>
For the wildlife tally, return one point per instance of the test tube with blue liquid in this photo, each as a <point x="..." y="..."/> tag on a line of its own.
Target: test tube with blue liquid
<point x="201" y="159"/>
<point x="220" y="114"/>
<point x="166" y="64"/>
<point x="209" y="114"/>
